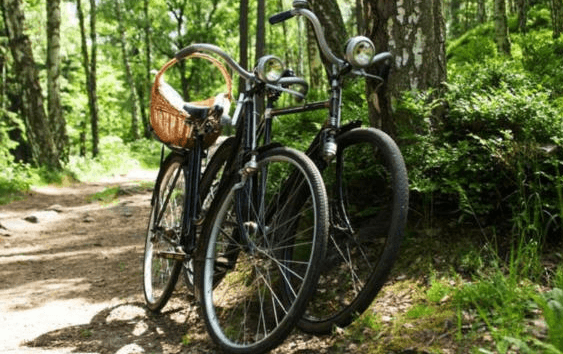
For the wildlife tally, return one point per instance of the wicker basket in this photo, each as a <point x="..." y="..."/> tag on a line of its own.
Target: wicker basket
<point x="171" y="124"/>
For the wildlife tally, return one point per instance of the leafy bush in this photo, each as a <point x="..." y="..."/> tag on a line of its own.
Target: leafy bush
<point x="542" y="56"/>
<point x="474" y="46"/>
<point x="475" y="145"/>
<point x="115" y="157"/>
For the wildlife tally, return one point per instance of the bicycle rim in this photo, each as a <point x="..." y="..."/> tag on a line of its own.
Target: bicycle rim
<point x="262" y="253"/>
<point x="368" y="196"/>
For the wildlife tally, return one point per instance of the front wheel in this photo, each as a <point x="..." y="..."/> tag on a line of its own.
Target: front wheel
<point x="261" y="247"/>
<point x="368" y="195"/>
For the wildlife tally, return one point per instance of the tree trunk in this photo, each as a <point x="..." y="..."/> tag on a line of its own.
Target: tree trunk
<point x="38" y="131"/>
<point x="331" y="19"/>
<point x="243" y="40"/>
<point x="359" y="14"/>
<point x="414" y="32"/>
<point x="92" y="88"/>
<point x="501" y="28"/>
<point x="148" y="64"/>
<point x="54" y="109"/>
<point x="481" y="11"/>
<point x="522" y="8"/>
<point x="90" y="69"/>
<point x="557" y="17"/>
<point x="260" y="29"/>
<point x="314" y="60"/>
<point x="128" y="75"/>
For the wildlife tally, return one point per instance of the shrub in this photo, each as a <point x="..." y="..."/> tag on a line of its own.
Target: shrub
<point x="484" y="145"/>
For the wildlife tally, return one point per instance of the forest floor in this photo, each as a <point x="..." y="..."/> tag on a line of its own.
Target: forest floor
<point x="71" y="281"/>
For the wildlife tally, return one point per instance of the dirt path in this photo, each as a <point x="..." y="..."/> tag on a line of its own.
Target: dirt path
<point x="70" y="278"/>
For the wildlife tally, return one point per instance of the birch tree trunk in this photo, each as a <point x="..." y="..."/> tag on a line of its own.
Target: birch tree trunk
<point x="414" y="32"/>
<point x="501" y="28"/>
<point x="128" y="75"/>
<point x="39" y="135"/>
<point x="54" y="109"/>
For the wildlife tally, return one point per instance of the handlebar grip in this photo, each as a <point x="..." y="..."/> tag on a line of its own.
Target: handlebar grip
<point x="381" y="57"/>
<point x="282" y="16"/>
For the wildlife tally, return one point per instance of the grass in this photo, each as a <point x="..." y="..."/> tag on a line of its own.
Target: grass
<point x="110" y="195"/>
<point x="458" y="293"/>
<point x="116" y="157"/>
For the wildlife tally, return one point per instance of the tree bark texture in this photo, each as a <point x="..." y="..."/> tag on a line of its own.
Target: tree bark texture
<point x="148" y="65"/>
<point x="38" y="130"/>
<point x="414" y="32"/>
<point x="557" y="17"/>
<point x="316" y="72"/>
<point x="481" y="11"/>
<point x="522" y="8"/>
<point x="261" y="29"/>
<point x="89" y="65"/>
<point x="360" y="21"/>
<point x="54" y="109"/>
<point x="243" y="39"/>
<point x="331" y="19"/>
<point x="92" y="88"/>
<point x="128" y="74"/>
<point x="501" y="27"/>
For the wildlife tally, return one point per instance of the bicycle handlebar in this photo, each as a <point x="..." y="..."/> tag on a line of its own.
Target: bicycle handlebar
<point x="318" y="28"/>
<point x="204" y="47"/>
<point x="282" y="16"/>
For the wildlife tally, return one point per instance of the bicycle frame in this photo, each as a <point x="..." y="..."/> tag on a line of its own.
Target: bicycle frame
<point x="191" y="168"/>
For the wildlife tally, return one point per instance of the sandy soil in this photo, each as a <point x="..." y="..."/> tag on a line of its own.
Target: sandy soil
<point x="70" y="278"/>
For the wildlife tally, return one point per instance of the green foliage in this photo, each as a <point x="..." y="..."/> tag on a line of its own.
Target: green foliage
<point x="501" y="303"/>
<point x="551" y="304"/>
<point x="480" y="140"/>
<point x="543" y="58"/>
<point x="115" y="158"/>
<point x="474" y="46"/>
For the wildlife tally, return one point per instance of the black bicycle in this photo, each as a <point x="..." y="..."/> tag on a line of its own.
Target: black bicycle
<point x="366" y="180"/>
<point x="250" y="229"/>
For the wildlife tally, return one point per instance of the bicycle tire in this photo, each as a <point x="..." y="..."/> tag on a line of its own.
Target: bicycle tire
<point x="248" y="282"/>
<point x="160" y="275"/>
<point x="208" y="187"/>
<point x="368" y="219"/>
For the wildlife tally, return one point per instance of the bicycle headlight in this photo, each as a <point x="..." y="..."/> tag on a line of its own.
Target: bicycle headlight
<point x="360" y="51"/>
<point x="269" y="68"/>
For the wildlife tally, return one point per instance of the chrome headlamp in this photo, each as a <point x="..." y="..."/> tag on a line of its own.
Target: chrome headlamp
<point x="269" y="69"/>
<point x="360" y="51"/>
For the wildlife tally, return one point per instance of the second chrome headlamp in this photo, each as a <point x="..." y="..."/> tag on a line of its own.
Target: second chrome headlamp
<point x="360" y="51"/>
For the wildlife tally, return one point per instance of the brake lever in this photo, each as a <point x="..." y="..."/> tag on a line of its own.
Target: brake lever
<point x="297" y="94"/>
<point x="362" y="72"/>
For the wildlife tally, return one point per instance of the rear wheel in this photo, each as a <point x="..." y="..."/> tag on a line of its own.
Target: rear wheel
<point x="367" y="188"/>
<point x="261" y="248"/>
<point x="160" y="270"/>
